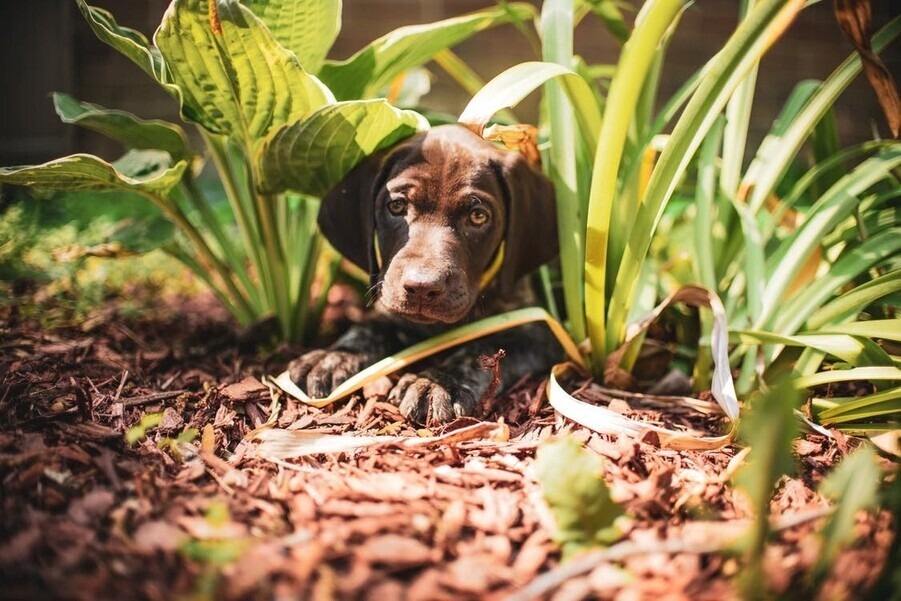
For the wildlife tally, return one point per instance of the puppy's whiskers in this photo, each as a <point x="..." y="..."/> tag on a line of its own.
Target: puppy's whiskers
<point x="372" y="294"/>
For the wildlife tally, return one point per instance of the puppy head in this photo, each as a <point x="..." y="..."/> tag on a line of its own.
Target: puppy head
<point x="431" y="217"/>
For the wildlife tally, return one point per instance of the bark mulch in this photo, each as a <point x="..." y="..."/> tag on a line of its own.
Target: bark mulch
<point x="85" y="515"/>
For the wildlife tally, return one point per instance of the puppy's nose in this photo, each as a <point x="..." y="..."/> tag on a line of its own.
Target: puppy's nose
<point x="422" y="286"/>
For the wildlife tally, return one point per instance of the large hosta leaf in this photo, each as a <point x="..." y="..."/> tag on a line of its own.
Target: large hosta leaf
<point x="234" y="77"/>
<point x="311" y="156"/>
<point x="373" y="67"/>
<point x="123" y="127"/>
<point x="307" y="28"/>
<point x="147" y="171"/>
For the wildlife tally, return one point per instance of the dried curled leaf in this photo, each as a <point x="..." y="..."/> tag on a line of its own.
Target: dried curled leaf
<point x="854" y="17"/>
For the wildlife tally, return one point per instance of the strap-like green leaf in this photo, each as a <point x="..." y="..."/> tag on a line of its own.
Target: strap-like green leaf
<point x="138" y="171"/>
<point x="886" y="403"/>
<point x="123" y="127"/>
<point x="234" y="77"/>
<point x="307" y="28"/>
<point x="373" y="67"/>
<point x="312" y="155"/>
<point x="854" y="301"/>
<point x="858" y="351"/>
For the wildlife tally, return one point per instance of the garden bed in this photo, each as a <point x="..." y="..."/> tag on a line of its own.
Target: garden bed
<point x="86" y="515"/>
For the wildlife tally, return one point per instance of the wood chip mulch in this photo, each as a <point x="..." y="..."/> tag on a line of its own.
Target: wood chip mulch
<point x="85" y="515"/>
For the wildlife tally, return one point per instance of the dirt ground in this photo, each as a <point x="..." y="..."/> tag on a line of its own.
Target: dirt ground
<point x="86" y="515"/>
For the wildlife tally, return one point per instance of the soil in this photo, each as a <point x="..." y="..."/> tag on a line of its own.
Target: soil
<point x="194" y="511"/>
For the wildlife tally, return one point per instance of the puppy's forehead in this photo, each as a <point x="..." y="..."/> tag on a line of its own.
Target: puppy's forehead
<point x="446" y="159"/>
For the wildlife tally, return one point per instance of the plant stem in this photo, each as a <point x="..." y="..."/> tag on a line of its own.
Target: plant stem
<point x="233" y="191"/>
<point x="209" y="261"/>
<point x="210" y="221"/>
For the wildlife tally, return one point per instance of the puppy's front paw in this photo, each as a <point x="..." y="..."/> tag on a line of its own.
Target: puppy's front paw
<point x="319" y="372"/>
<point x="429" y="399"/>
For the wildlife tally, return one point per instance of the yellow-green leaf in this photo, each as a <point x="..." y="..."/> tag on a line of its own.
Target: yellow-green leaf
<point x="373" y="67"/>
<point x="307" y="28"/>
<point x="138" y="171"/>
<point x="312" y="155"/>
<point x="234" y="77"/>
<point x="123" y="127"/>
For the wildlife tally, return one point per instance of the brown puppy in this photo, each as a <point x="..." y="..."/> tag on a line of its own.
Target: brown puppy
<point x="447" y="225"/>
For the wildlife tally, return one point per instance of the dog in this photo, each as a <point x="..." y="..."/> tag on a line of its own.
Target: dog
<point x="447" y="225"/>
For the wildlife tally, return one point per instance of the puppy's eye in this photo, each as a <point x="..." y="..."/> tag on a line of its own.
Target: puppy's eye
<point x="397" y="206"/>
<point x="479" y="216"/>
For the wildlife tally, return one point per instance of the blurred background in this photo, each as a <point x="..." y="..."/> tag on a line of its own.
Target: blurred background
<point x="47" y="47"/>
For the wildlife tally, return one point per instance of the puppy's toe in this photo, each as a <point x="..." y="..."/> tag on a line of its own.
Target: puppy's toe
<point x="424" y="401"/>
<point x="300" y="367"/>
<point x="319" y="372"/>
<point x="409" y="394"/>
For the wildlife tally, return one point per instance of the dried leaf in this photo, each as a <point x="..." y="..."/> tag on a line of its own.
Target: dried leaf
<point x="854" y="17"/>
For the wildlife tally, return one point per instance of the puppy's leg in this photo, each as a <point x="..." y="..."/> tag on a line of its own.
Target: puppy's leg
<point x="321" y="371"/>
<point x="456" y="386"/>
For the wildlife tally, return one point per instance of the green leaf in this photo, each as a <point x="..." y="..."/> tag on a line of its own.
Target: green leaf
<point x="854" y="301"/>
<point x="773" y="162"/>
<point x="123" y="127"/>
<point x="835" y="205"/>
<point x="769" y="429"/>
<point x="635" y="63"/>
<point x="131" y="43"/>
<point x="856" y="261"/>
<point x="609" y="13"/>
<point x="886" y="403"/>
<point x="307" y="28"/>
<point x="859" y="352"/>
<point x="145" y="171"/>
<point x="865" y="374"/>
<point x="886" y="329"/>
<point x="138" y="432"/>
<point x="764" y="23"/>
<point x="573" y="487"/>
<point x="373" y="67"/>
<point x="852" y="487"/>
<point x="313" y="155"/>
<point x="234" y="77"/>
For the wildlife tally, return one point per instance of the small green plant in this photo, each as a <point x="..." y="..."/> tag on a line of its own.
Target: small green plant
<point x="280" y="123"/>
<point x="573" y="486"/>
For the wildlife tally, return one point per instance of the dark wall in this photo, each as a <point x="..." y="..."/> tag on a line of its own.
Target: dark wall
<point x="46" y="47"/>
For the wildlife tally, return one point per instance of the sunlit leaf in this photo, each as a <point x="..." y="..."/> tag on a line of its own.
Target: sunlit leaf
<point x="307" y="28"/>
<point x="234" y="77"/>
<point x="372" y="68"/>
<point x="312" y="155"/>
<point x="123" y="127"/>
<point x="139" y="171"/>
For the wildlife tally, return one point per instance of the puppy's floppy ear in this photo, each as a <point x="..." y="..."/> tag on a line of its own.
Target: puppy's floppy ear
<point x="346" y="216"/>
<point x="531" y="229"/>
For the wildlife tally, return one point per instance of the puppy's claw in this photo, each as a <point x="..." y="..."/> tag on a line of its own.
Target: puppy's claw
<point x="319" y="372"/>
<point x="424" y="400"/>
